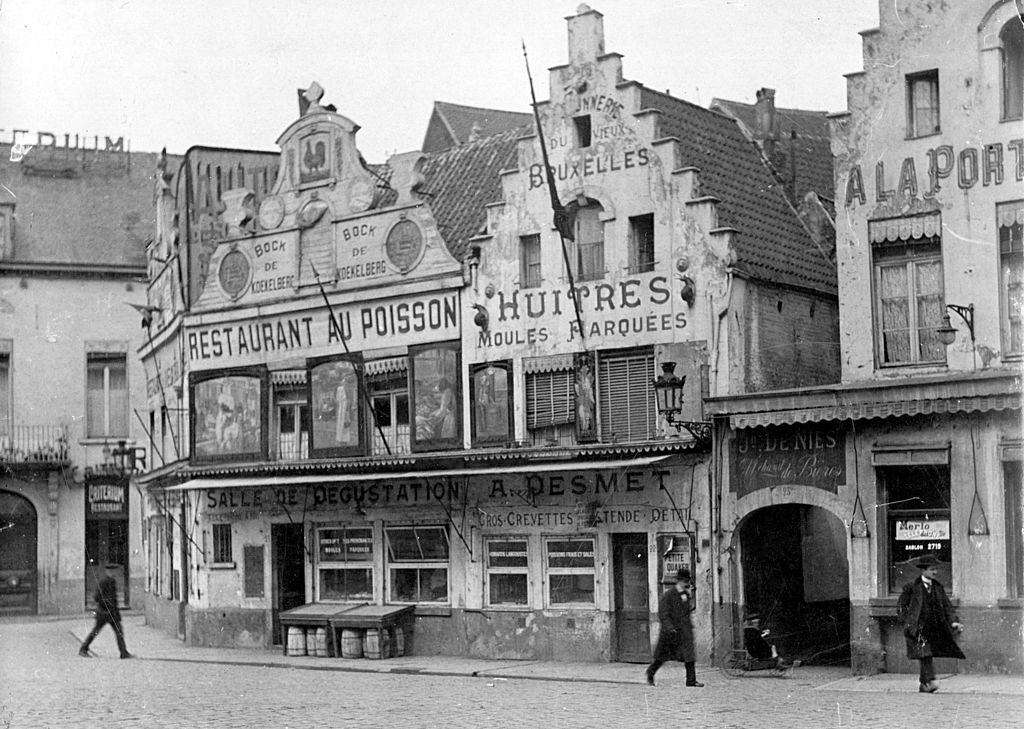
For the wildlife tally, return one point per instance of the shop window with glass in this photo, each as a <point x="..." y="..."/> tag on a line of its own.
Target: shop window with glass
<point x="417" y="564"/>
<point x="923" y="104"/>
<point x="222" y="544"/>
<point x="491" y="395"/>
<point x="529" y="262"/>
<point x="437" y="396"/>
<point x="1010" y="221"/>
<point x="1011" y="38"/>
<point x="917" y="521"/>
<point x="641" y="243"/>
<point x="508" y="582"/>
<point x="569" y="571"/>
<point x="587" y="251"/>
<point x="106" y="396"/>
<point x="909" y="295"/>
<point x="344" y="563"/>
<point x="550" y="400"/>
<point x="626" y="403"/>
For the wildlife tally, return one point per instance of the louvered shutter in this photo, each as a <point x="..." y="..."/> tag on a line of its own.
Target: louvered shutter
<point x="550" y="399"/>
<point x="626" y="396"/>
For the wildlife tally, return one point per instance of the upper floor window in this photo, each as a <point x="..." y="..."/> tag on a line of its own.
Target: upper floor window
<point x="923" y="104"/>
<point x="1010" y="220"/>
<point x="550" y="400"/>
<point x="626" y="402"/>
<point x="228" y="414"/>
<point x="909" y="296"/>
<point x="387" y="386"/>
<point x="291" y="414"/>
<point x="582" y="124"/>
<point x="641" y="243"/>
<point x="587" y="257"/>
<point x="106" y="397"/>
<point x="1011" y="38"/>
<point x="529" y="262"/>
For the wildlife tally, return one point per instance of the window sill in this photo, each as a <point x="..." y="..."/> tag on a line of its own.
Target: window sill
<point x="222" y="566"/>
<point x="1008" y="119"/>
<point x="439" y="611"/>
<point x="912" y="137"/>
<point x="105" y="440"/>
<point x="1010" y="603"/>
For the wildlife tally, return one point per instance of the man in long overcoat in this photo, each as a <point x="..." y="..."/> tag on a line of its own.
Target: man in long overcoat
<point x="930" y="624"/>
<point x="675" y="641"/>
<point x="107" y="611"/>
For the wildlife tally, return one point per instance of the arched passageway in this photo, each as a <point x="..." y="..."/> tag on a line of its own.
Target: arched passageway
<point x="18" y="549"/>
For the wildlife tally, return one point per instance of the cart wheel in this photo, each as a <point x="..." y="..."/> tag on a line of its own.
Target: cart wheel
<point x="736" y="664"/>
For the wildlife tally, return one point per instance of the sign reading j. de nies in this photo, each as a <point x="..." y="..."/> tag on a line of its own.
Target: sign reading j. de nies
<point x="787" y="456"/>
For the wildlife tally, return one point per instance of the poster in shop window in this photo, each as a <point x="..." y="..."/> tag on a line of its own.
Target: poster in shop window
<point x="227" y="416"/>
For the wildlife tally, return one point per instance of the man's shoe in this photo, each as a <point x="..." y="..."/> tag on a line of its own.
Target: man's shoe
<point x="128" y="655"/>
<point x="928" y="688"/>
<point x="84" y="653"/>
<point x="695" y="684"/>
<point x="650" y="680"/>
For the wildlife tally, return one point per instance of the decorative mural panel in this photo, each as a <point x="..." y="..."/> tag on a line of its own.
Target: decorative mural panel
<point x="583" y="384"/>
<point x="228" y="415"/>
<point x="437" y="397"/>
<point x="336" y="404"/>
<point x="491" y="394"/>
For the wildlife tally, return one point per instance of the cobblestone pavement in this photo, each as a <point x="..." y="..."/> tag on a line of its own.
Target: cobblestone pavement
<point x="44" y="684"/>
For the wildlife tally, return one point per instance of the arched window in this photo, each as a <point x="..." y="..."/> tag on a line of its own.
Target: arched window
<point x="1011" y="38"/>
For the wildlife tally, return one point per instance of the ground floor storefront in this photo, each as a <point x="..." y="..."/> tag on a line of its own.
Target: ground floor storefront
<point x="825" y="507"/>
<point x="558" y="560"/>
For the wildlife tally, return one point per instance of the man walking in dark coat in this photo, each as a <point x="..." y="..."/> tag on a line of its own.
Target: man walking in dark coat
<point x="107" y="611"/>
<point x="930" y="624"/>
<point x="675" y="641"/>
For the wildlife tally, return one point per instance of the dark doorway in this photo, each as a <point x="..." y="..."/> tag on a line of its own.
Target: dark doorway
<point x="289" y="582"/>
<point x="18" y="548"/>
<point x="632" y="607"/>
<point x="106" y="543"/>
<point x="796" y="577"/>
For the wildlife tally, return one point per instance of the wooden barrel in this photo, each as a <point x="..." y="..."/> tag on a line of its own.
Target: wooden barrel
<point x="351" y="643"/>
<point x="376" y="644"/>
<point x="321" y="642"/>
<point x="310" y="641"/>
<point x="296" y="641"/>
<point x="399" y="643"/>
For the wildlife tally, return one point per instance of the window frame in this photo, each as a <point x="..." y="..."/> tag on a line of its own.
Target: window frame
<point x="608" y="413"/>
<point x="588" y="260"/>
<point x="641" y="240"/>
<point x="394" y="564"/>
<point x="583" y="126"/>
<point x="419" y="437"/>
<point x="530" y="267"/>
<point x="523" y="569"/>
<point x="346" y="564"/>
<point x="221" y="536"/>
<point x="929" y="78"/>
<point x="106" y="359"/>
<point x="560" y="415"/>
<point x="296" y="398"/>
<point x="1011" y="275"/>
<point x="258" y="373"/>
<point x="550" y="571"/>
<point x="355" y="362"/>
<point x="1006" y="75"/>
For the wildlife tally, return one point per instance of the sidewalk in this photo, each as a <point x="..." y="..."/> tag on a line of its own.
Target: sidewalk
<point x="151" y="644"/>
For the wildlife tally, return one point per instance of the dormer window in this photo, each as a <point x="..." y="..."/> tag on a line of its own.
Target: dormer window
<point x="582" y="130"/>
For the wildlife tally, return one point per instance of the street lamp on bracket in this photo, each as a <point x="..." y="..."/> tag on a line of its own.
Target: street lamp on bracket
<point x="668" y="392"/>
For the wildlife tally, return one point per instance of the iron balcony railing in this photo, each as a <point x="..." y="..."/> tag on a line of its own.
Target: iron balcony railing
<point x="34" y="444"/>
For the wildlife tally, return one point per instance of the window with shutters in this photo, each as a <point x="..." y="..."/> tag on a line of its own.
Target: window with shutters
<point x="626" y="403"/>
<point x="550" y="407"/>
<point x="529" y="262"/>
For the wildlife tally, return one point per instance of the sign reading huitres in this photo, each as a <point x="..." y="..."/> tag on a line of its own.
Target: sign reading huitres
<point x="787" y="456"/>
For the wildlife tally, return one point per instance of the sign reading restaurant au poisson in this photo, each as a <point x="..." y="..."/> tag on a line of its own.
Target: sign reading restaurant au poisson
<point x="412" y="319"/>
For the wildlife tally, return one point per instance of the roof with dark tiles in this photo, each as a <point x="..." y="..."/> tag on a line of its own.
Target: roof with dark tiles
<point x="80" y="206"/>
<point x="462" y="181"/>
<point x="452" y="125"/>
<point x="810" y="150"/>
<point x="771" y="243"/>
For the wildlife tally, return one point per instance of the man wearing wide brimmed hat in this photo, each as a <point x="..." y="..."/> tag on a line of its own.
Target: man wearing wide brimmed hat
<point x="930" y="624"/>
<point x="675" y="641"/>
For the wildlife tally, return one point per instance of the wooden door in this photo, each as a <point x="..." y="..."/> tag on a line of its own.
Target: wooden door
<point x="632" y="606"/>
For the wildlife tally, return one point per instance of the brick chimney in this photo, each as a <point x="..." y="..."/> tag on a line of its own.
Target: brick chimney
<point x="586" y="35"/>
<point x="766" y="130"/>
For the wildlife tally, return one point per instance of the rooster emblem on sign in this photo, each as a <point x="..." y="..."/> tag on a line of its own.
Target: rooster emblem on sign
<point x="315" y="158"/>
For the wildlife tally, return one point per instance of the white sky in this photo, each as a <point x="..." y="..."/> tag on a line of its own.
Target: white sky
<point x="175" y="73"/>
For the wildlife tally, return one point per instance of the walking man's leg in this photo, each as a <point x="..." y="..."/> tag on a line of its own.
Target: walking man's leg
<point x="101" y="620"/>
<point x="927" y="676"/>
<point x="691" y="674"/>
<point x="653" y="669"/>
<point x="115" y="623"/>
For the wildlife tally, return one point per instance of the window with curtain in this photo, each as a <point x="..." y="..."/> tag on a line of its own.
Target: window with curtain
<point x="1010" y="222"/>
<point x="529" y="262"/>
<point x="1011" y="38"/>
<point x="923" y="104"/>
<point x="588" y="249"/>
<point x="106" y="397"/>
<point x="909" y="293"/>
<point x="626" y="404"/>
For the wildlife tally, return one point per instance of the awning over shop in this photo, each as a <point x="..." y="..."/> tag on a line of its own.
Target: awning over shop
<point x="288" y="377"/>
<point x="892" y="230"/>
<point x="540" y="466"/>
